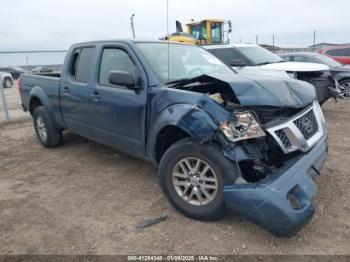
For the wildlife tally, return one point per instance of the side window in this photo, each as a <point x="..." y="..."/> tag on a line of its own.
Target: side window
<point x="74" y="65"/>
<point x="226" y="55"/>
<point x="305" y="59"/>
<point x="115" y="60"/>
<point x="339" y="52"/>
<point x="84" y="64"/>
<point x="347" y="51"/>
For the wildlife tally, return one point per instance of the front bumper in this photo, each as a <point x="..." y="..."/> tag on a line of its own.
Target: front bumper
<point x="268" y="203"/>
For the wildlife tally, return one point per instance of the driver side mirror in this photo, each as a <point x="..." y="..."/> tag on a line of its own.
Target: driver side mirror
<point x="237" y="63"/>
<point x="122" y="78"/>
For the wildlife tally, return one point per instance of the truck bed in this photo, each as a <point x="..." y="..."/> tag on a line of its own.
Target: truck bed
<point x="50" y="84"/>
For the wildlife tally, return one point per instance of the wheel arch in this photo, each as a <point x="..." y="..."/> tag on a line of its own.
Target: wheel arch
<point x="177" y="122"/>
<point x="345" y="78"/>
<point x="38" y="97"/>
<point x="34" y="102"/>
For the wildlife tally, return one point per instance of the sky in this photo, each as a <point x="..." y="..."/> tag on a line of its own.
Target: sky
<point x="47" y="25"/>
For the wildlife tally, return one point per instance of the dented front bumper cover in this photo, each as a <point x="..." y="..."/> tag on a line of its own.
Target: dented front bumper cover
<point x="282" y="203"/>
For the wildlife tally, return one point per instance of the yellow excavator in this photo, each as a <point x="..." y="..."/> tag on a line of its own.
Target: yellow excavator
<point x="207" y="31"/>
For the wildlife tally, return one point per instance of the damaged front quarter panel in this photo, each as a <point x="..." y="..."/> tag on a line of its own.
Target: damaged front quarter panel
<point x="194" y="113"/>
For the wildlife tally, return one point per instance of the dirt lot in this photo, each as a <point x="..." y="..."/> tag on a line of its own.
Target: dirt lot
<point x="84" y="198"/>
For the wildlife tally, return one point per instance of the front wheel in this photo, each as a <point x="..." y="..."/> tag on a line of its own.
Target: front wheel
<point x="7" y="82"/>
<point x="193" y="177"/>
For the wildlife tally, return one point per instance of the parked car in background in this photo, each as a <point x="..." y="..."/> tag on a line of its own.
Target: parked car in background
<point x="248" y="59"/>
<point x="14" y="71"/>
<point x="339" y="72"/>
<point x="221" y="141"/>
<point x="6" y="79"/>
<point x="341" y="54"/>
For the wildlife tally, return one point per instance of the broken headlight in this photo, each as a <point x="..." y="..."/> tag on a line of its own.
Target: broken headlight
<point x="245" y="127"/>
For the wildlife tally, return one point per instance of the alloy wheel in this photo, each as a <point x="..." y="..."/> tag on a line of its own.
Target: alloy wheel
<point x="345" y="89"/>
<point x="195" y="181"/>
<point x="41" y="127"/>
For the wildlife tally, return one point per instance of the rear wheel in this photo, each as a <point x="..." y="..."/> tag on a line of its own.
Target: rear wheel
<point x="7" y="82"/>
<point x="47" y="134"/>
<point x="193" y="177"/>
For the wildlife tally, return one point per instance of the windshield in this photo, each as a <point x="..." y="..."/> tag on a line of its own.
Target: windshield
<point x="185" y="61"/>
<point x="327" y="60"/>
<point x="259" y="55"/>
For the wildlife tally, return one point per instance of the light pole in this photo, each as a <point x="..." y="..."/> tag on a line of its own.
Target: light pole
<point x="132" y="25"/>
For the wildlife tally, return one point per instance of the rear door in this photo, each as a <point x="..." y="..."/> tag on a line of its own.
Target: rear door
<point x="118" y="112"/>
<point x="75" y="91"/>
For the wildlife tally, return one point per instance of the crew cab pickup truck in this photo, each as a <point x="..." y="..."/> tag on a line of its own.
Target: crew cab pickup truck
<point x="221" y="142"/>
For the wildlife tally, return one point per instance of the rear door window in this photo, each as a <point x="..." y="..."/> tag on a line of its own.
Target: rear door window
<point x="84" y="64"/>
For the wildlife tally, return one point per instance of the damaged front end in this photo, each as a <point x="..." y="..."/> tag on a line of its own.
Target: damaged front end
<point x="276" y="188"/>
<point x="277" y="139"/>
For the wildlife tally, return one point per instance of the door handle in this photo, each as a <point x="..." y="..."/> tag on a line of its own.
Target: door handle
<point x="96" y="95"/>
<point x="66" y="89"/>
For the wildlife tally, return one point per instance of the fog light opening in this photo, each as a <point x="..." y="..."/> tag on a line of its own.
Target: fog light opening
<point x="294" y="202"/>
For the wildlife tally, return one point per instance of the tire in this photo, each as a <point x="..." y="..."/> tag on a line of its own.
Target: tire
<point x="223" y="171"/>
<point x="43" y="124"/>
<point x="7" y="82"/>
<point x="346" y="87"/>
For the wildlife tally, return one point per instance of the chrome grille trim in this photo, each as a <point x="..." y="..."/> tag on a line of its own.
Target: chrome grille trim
<point x="292" y="135"/>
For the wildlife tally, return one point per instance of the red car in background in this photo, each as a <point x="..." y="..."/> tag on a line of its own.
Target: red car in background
<point x="340" y="53"/>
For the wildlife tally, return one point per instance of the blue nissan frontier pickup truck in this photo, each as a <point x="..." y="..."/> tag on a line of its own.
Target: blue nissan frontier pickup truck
<point x="221" y="142"/>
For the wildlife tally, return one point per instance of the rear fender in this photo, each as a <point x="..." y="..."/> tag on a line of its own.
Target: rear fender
<point x="39" y="93"/>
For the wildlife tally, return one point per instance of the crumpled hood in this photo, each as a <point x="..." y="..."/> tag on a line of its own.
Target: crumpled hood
<point x="265" y="91"/>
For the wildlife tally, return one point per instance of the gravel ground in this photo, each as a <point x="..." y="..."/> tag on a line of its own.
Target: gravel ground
<point x="84" y="198"/>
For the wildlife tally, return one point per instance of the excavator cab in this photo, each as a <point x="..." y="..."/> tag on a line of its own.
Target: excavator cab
<point x="208" y="31"/>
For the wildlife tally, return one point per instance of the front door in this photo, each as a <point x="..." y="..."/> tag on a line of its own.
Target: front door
<point x="118" y="112"/>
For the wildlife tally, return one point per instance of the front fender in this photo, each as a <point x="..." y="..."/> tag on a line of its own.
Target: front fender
<point x="188" y="117"/>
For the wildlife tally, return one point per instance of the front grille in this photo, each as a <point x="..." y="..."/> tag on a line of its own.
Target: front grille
<point x="284" y="138"/>
<point x="301" y="132"/>
<point x="307" y="124"/>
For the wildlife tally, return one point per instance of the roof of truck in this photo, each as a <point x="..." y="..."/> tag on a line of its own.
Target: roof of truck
<point x="126" y="41"/>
